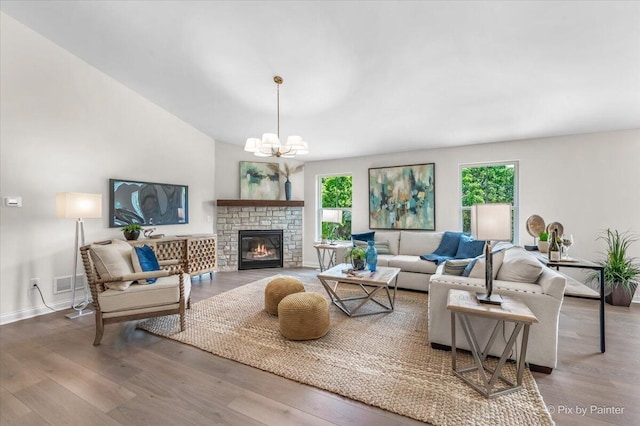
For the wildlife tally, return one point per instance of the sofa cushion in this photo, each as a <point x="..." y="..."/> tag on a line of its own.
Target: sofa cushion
<point x="412" y="264"/>
<point x="418" y="243"/>
<point x="364" y="236"/>
<point x="383" y="247"/>
<point x="164" y="292"/>
<point x="468" y="247"/>
<point x="112" y="261"/>
<point x="393" y="237"/>
<point x="519" y="266"/>
<point x="455" y="266"/>
<point x="383" y="259"/>
<point x="477" y="270"/>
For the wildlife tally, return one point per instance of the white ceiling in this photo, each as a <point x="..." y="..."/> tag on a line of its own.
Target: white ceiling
<point x="365" y="77"/>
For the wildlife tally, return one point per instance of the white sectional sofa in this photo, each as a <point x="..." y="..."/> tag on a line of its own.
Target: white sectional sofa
<point x="543" y="293"/>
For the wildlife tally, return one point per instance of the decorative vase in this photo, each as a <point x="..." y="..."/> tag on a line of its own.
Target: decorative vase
<point x="287" y="189"/>
<point x="371" y="255"/>
<point x="131" y="235"/>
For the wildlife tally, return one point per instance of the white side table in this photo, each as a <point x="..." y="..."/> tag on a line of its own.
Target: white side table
<point x="463" y="304"/>
<point x="328" y="253"/>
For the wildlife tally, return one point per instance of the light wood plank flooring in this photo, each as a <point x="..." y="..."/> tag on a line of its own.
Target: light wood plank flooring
<point x="51" y="374"/>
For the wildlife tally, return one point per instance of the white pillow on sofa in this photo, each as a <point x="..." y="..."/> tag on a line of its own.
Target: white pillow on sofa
<point x="111" y="261"/>
<point x="519" y="266"/>
<point x="479" y="267"/>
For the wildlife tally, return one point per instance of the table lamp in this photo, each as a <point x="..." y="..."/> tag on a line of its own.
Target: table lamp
<point x="335" y="217"/>
<point x="490" y="222"/>
<point x="79" y="206"/>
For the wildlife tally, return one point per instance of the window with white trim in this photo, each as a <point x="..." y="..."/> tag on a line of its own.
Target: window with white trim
<point x="334" y="206"/>
<point x="482" y="183"/>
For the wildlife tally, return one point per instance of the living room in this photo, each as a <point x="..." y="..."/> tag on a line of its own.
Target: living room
<point x="69" y="124"/>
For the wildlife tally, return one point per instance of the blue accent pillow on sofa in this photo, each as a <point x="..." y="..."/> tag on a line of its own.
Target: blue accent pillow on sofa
<point x="469" y="248"/>
<point x="364" y="236"/>
<point x="148" y="261"/>
<point x="447" y="249"/>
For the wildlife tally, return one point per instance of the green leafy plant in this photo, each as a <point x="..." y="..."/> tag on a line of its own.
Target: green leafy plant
<point x="620" y="270"/>
<point x="132" y="227"/>
<point x="354" y="252"/>
<point x="543" y="236"/>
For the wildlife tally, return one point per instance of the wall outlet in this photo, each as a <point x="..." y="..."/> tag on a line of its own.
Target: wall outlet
<point x="33" y="283"/>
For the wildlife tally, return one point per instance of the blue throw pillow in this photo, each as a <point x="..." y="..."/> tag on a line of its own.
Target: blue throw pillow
<point x="449" y="244"/>
<point x="148" y="261"/>
<point x="364" y="236"/>
<point x="469" y="248"/>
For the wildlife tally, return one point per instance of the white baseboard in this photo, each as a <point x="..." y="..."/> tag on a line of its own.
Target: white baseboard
<point x="33" y="312"/>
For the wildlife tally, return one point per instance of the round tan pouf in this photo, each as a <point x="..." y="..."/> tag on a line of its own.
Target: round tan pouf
<point x="303" y="316"/>
<point x="277" y="289"/>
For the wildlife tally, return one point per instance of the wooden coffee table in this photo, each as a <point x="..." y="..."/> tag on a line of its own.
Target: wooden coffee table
<point x="370" y="282"/>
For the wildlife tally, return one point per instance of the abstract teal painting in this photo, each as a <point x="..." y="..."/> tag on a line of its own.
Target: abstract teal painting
<point x="259" y="181"/>
<point x="402" y="197"/>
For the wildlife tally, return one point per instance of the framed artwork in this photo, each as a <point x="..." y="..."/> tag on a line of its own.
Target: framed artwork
<point x="403" y="197"/>
<point x="147" y="203"/>
<point x="259" y="181"/>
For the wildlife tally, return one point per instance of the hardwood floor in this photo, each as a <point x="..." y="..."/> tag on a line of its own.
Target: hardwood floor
<point x="50" y="373"/>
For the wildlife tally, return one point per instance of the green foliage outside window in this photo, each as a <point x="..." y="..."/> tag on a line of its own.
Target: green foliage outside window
<point x="486" y="184"/>
<point x="337" y="193"/>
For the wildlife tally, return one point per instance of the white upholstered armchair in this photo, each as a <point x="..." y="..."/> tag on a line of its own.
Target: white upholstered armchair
<point x="122" y="291"/>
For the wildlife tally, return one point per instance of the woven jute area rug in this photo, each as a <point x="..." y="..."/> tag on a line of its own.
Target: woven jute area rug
<point x="381" y="360"/>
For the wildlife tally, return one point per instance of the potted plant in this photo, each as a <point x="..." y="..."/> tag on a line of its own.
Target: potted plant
<point x="356" y="255"/>
<point x="543" y="242"/>
<point x="621" y="272"/>
<point x="132" y="231"/>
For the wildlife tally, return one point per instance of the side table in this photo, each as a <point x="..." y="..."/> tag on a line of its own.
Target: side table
<point x="464" y="304"/>
<point x="327" y="254"/>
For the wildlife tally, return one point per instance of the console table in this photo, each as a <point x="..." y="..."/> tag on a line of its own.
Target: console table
<point x="463" y="304"/>
<point x="581" y="264"/>
<point x="197" y="251"/>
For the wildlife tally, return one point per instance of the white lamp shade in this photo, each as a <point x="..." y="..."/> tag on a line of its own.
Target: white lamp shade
<point x="491" y="222"/>
<point x="270" y="141"/>
<point x="77" y="205"/>
<point x="252" y="145"/>
<point x="332" y="216"/>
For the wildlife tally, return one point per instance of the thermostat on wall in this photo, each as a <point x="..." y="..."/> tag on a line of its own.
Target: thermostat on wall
<point x="12" y="201"/>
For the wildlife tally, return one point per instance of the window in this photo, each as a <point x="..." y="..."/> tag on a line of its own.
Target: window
<point x="489" y="183"/>
<point x="335" y="194"/>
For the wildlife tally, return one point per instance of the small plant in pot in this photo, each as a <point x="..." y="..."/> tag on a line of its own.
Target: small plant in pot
<point x="356" y="255"/>
<point x="621" y="272"/>
<point x="543" y="242"/>
<point x="132" y="231"/>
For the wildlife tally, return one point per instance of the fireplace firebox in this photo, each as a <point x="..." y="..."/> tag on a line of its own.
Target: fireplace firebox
<point x="259" y="249"/>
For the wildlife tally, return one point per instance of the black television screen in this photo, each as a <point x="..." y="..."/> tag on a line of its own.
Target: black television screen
<point x="147" y="203"/>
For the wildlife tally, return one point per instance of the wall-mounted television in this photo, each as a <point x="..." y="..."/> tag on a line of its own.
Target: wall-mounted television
<point x="147" y="203"/>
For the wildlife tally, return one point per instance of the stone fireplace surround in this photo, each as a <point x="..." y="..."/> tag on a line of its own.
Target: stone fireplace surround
<point x="234" y="215"/>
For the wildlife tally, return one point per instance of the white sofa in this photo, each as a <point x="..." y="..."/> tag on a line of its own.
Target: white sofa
<point x="406" y="248"/>
<point x="544" y="297"/>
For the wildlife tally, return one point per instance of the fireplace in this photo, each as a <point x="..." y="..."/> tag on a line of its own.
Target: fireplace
<point x="259" y="249"/>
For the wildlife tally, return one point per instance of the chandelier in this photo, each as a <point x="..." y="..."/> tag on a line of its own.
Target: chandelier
<point x="270" y="146"/>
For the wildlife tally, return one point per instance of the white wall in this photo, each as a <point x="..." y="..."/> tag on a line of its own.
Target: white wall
<point x="586" y="182"/>
<point x="227" y="171"/>
<point x="68" y="127"/>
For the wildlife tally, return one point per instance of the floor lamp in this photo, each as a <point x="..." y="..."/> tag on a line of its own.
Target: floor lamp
<point x="79" y="206"/>
<point x="490" y="222"/>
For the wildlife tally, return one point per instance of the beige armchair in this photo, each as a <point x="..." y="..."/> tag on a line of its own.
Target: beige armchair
<point x="121" y="294"/>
